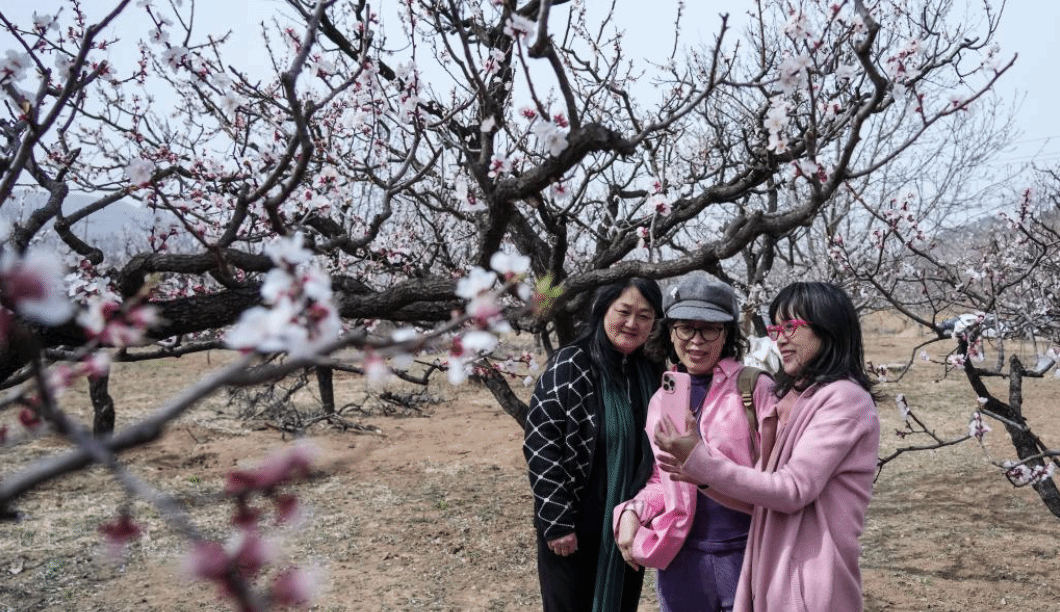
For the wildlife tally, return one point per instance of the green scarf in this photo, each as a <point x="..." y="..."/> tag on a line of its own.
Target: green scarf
<point x="620" y="432"/>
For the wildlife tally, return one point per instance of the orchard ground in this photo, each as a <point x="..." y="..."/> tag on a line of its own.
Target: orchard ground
<point x="432" y="511"/>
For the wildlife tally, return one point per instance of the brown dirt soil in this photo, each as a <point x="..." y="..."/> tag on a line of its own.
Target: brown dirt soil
<point x="434" y="512"/>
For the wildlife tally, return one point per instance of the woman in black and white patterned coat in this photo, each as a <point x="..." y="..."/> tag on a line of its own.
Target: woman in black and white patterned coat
<point x="586" y="450"/>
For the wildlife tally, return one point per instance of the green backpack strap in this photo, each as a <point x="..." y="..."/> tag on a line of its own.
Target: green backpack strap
<point x="745" y="383"/>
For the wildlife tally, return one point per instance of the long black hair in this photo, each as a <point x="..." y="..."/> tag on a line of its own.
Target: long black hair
<point x="832" y="316"/>
<point x="608" y="360"/>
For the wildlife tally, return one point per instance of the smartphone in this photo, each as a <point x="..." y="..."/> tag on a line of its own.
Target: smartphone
<point x="677" y="392"/>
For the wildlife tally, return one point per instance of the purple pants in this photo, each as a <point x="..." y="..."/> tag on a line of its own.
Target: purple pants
<point x="703" y="575"/>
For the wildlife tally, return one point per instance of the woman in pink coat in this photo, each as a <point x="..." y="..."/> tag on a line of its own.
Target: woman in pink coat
<point x="696" y="543"/>
<point x="812" y="485"/>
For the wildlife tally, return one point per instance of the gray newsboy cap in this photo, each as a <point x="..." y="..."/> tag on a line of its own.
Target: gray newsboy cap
<point x="697" y="298"/>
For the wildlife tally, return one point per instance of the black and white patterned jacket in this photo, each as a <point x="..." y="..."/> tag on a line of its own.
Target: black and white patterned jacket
<point x="561" y="438"/>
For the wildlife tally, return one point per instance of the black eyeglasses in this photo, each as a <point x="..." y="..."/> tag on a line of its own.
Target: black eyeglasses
<point x="686" y="332"/>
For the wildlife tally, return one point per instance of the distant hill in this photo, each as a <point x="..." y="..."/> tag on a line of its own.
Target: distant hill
<point x="113" y="229"/>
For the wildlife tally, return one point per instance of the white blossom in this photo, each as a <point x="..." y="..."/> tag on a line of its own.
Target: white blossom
<point x="506" y="263"/>
<point x="976" y="426"/>
<point x="288" y="251"/>
<point x="518" y="26"/>
<point x="14" y="66"/>
<point x="45" y="22"/>
<point x="550" y="135"/>
<point x="139" y="171"/>
<point x="173" y="56"/>
<point x="403" y="334"/>
<point x="476" y="282"/>
<point x="903" y="406"/>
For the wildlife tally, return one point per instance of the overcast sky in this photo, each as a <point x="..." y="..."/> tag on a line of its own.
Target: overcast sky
<point x="1028" y="28"/>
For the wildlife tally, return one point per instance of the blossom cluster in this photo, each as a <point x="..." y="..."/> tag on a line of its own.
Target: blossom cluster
<point x="32" y="287"/>
<point x="1021" y="474"/>
<point x="298" y="316"/>
<point x="245" y="558"/>
<point x="484" y="310"/>
<point x="977" y="428"/>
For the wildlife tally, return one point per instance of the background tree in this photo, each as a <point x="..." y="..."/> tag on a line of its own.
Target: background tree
<point x="999" y="273"/>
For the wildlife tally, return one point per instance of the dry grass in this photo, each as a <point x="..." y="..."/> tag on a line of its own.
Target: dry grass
<point x="435" y="513"/>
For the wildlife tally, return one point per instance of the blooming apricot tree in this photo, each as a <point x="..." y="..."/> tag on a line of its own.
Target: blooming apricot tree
<point x="455" y="169"/>
<point x="1003" y="272"/>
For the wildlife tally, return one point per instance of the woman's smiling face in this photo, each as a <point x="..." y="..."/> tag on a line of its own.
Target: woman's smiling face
<point x="698" y="353"/>
<point x="799" y="346"/>
<point x="628" y="321"/>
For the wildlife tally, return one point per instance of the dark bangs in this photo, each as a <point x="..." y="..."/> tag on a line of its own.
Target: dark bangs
<point x="833" y="318"/>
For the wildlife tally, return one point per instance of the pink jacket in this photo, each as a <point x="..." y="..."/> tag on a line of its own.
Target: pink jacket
<point x="665" y="506"/>
<point x="811" y="492"/>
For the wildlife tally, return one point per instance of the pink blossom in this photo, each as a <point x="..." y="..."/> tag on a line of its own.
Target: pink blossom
<point x="457" y="371"/>
<point x="174" y="56"/>
<point x="645" y="234"/>
<point x="483" y="309"/>
<point x="798" y="26"/>
<point x="253" y="553"/>
<point x="60" y="377"/>
<point x="777" y="116"/>
<point x="375" y="369"/>
<point x="104" y="320"/>
<point x="845" y="72"/>
<point x="207" y="561"/>
<point x="493" y="63"/>
<point x="1021" y="474"/>
<point x="121" y="530"/>
<point x="288" y="251"/>
<point x="97" y="364"/>
<point x="158" y="36"/>
<point x="44" y="23"/>
<point x="246" y="516"/>
<point x="240" y="482"/>
<point x="777" y="143"/>
<point x="288" y="509"/>
<point x="500" y="165"/>
<point x="661" y="204"/>
<point x="479" y="342"/>
<point x="32" y="286"/>
<point x="295" y="587"/>
<point x="29" y="418"/>
<point x="283" y="466"/>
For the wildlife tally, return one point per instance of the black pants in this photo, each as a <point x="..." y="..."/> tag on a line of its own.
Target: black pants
<point x="568" y="583"/>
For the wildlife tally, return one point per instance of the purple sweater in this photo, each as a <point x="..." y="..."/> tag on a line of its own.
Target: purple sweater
<point x="810" y="496"/>
<point x="666" y="507"/>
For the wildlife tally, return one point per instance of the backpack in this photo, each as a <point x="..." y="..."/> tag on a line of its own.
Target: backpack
<point x="745" y="384"/>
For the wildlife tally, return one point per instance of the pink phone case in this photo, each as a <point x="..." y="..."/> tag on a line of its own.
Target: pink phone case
<point x="677" y="387"/>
